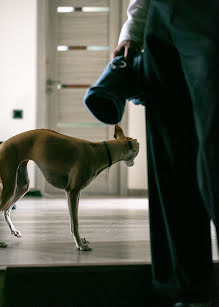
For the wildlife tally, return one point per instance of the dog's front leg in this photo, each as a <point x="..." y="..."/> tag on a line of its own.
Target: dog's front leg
<point x="73" y="201"/>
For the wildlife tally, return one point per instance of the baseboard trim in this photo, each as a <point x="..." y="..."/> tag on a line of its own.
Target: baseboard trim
<point x="131" y="193"/>
<point x="138" y="193"/>
<point x="33" y="193"/>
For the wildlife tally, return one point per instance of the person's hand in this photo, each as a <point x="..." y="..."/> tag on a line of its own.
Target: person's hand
<point x="127" y="48"/>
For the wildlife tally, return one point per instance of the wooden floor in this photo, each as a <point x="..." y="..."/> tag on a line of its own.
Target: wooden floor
<point x="117" y="229"/>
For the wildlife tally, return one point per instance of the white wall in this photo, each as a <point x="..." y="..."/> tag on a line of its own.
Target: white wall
<point x="137" y="175"/>
<point x="18" y="67"/>
<point x="18" y="82"/>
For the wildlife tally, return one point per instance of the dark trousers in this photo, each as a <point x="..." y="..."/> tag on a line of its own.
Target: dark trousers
<point x="182" y="118"/>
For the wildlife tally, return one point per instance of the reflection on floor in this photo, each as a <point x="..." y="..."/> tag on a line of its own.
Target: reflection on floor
<point x="117" y="228"/>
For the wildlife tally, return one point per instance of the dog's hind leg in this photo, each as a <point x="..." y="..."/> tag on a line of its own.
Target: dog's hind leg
<point x="22" y="182"/>
<point x="8" y="185"/>
<point x="73" y="200"/>
<point x="22" y="186"/>
<point x="13" y="230"/>
<point x="2" y="244"/>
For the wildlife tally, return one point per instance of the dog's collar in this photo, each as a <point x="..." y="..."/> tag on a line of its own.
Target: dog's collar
<point x="108" y="153"/>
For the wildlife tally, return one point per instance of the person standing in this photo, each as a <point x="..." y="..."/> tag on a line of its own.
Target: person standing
<point x="182" y="111"/>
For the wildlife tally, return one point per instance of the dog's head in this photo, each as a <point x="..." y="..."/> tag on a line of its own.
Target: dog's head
<point x="132" y="148"/>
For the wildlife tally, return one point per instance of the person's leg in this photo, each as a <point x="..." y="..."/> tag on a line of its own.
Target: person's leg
<point x="179" y="223"/>
<point x="196" y="44"/>
<point x="198" y="71"/>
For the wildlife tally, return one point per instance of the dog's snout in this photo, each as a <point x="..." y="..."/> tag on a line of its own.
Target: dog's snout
<point x="129" y="163"/>
<point x="137" y="144"/>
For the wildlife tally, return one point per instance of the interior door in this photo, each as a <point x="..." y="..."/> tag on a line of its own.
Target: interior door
<point x="81" y="36"/>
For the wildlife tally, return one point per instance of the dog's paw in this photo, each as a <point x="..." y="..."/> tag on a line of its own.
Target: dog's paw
<point x="83" y="240"/>
<point x="16" y="233"/>
<point x="84" y="246"/>
<point x="3" y="244"/>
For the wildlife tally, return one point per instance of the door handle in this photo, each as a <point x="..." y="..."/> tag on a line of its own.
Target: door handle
<point x="50" y="82"/>
<point x="49" y="85"/>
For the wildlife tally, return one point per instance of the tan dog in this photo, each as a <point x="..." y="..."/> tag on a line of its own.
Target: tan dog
<point x="67" y="163"/>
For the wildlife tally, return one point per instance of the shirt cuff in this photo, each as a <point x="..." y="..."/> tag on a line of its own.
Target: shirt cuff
<point x="133" y="31"/>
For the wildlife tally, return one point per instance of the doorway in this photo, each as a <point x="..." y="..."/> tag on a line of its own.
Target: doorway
<point x="76" y="39"/>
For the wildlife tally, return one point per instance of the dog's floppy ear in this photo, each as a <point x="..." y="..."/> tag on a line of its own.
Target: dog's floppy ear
<point x="118" y="134"/>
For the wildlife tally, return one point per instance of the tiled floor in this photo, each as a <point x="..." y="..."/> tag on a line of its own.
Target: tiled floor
<point x="117" y="229"/>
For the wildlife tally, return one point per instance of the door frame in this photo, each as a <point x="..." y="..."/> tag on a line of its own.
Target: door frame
<point x="116" y="20"/>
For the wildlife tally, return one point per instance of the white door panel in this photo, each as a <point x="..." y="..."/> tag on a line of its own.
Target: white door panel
<point x="84" y="29"/>
<point x="79" y="45"/>
<point x="80" y="66"/>
<point x="82" y="3"/>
